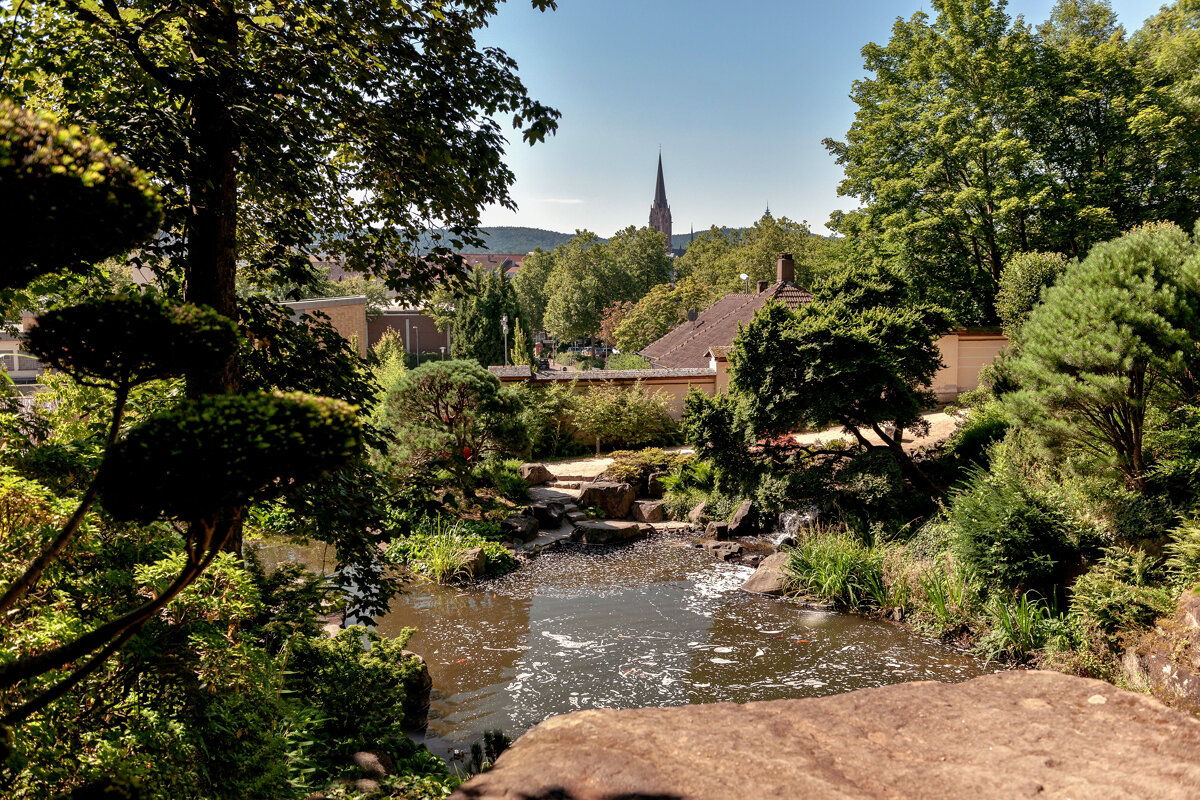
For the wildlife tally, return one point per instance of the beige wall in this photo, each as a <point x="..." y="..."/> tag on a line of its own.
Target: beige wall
<point x="347" y="315"/>
<point x="964" y="355"/>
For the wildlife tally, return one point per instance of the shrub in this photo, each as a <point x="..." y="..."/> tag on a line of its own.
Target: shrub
<point x="503" y="474"/>
<point x="1022" y="281"/>
<point x="835" y="565"/>
<point x="626" y="361"/>
<point x="436" y="547"/>
<point x="1121" y="593"/>
<point x="1014" y="537"/>
<point x="979" y="428"/>
<point x="635" y="467"/>
<point x="625" y="416"/>
<point x="1183" y="553"/>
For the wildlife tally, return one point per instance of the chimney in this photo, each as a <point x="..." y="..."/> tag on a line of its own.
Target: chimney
<point x="785" y="270"/>
<point x="762" y="286"/>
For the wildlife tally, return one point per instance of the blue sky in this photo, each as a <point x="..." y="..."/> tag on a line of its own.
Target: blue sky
<point x="738" y="95"/>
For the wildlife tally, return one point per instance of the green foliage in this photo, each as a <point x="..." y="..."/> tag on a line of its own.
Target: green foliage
<point x="626" y="361"/>
<point x="718" y="256"/>
<point x="948" y="597"/>
<point x="624" y="416"/>
<point x="1019" y="628"/>
<point x="530" y="287"/>
<point x="219" y="451"/>
<point x="1022" y="281"/>
<point x="65" y="198"/>
<point x="1010" y="534"/>
<point x="1183" y="553"/>
<point x="548" y="414"/>
<point x="356" y="681"/>
<point x="1121" y="593"/>
<point x="837" y="566"/>
<point x="451" y="415"/>
<point x="125" y="340"/>
<point x="521" y="352"/>
<point x="1114" y="327"/>
<point x="979" y="428"/>
<point x="634" y="467"/>
<point x="1173" y="441"/>
<point x="660" y="310"/>
<point x="436" y="547"/>
<point x="478" y="307"/>
<point x="503" y="474"/>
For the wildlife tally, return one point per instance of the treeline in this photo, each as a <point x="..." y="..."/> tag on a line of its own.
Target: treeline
<point x="979" y="137"/>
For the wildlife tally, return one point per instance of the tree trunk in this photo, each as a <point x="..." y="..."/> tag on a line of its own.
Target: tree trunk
<point x="211" y="269"/>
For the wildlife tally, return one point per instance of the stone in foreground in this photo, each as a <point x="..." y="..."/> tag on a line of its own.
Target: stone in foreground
<point x="769" y="577"/>
<point x="609" y="531"/>
<point x="1012" y="734"/>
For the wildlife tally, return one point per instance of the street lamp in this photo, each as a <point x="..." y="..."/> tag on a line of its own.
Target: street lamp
<point x="443" y="349"/>
<point x="504" y="330"/>
<point x="746" y="278"/>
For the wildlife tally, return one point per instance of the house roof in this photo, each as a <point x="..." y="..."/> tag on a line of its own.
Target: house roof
<point x="688" y="344"/>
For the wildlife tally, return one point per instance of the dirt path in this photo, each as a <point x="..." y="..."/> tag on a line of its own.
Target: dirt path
<point x="941" y="425"/>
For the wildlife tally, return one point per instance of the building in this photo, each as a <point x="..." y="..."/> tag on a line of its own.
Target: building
<point x="688" y="345"/>
<point x="660" y="211"/>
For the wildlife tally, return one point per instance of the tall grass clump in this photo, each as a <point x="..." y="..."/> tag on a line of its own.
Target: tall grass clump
<point x="1017" y="628"/>
<point x="835" y="565"/>
<point x="436" y="549"/>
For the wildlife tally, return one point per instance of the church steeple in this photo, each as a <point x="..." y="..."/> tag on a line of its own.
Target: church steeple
<point x="660" y="212"/>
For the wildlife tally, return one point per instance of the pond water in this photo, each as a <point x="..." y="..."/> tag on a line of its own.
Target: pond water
<point x="655" y="623"/>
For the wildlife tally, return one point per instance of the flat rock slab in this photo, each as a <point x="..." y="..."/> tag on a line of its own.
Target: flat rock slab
<point x="1012" y="734"/>
<point x="609" y="531"/>
<point x="769" y="578"/>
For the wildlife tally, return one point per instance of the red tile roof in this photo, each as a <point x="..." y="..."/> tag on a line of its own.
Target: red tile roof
<point x="688" y="344"/>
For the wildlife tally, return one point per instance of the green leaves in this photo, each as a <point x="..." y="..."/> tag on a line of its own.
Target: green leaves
<point x="126" y="340"/>
<point x="65" y="198"/>
<point x="220" y="451"/>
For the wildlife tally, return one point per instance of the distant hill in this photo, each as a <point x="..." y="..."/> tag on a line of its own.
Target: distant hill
<point x="512" y="239"/>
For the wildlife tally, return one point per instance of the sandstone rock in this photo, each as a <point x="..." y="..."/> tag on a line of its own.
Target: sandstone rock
<point x="752" y="560"/>
<point x="474" y="562"/>
<point x="648" y="510"/>
<point x="366" y="786"/>
<point x="654" y="485"/>
<point x="549" y="514"/>
<point x="519" y="526"/>
<point x="596" y="531"/>
<point x="1166" y="660"/>
<point x="696" y="515"/>
<point x="373" y="765"/>
<point x="416" y="703"/>
<point x="716" y="530"/>
<point x="613" y="498"/>
<point x="1012" y="734"/>
<point x="535" y="474"/>
<point x="726" y="551"/>
<point x="769" y="577"/>
<point x="745" y="520"/>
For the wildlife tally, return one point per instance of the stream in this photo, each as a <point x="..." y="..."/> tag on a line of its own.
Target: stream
<point x="655" y="623"/>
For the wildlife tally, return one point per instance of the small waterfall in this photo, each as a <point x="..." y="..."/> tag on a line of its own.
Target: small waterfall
<point x="792" y="524"/>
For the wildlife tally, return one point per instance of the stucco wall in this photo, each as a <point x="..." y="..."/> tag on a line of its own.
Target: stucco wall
<point x="347" y="315"/>
<point x="964" y="355"/>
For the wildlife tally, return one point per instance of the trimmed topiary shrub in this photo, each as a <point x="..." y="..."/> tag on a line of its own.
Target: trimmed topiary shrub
<point x="224" y="450"/>
<point x="65" y="198"/>
<point x="126" y="340"/>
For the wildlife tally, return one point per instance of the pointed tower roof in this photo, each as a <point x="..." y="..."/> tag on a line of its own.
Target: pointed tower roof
<point x="660" y="188"/>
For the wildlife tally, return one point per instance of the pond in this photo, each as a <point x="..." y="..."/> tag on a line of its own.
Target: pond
<point x="655" y="623"/>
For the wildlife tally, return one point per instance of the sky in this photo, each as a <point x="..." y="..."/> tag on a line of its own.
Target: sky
<point x="737" y="95"/>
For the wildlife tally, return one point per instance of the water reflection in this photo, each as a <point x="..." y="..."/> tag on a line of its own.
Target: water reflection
<point x="655" y="623"/>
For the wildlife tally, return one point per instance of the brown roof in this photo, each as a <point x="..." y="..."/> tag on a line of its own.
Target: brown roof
<point x="688" y="344"/>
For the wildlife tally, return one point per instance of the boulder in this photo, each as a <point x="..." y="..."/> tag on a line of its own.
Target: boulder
<point x="474" y="562"/>
<point x="1166" y="660"/>
<point x="726" y="551"/>
<point x="745" y="520"/>
<point x="1005" y="735"/>
<point x="373" y="765"/>
<point x="418" y="688"/>
<point x="519" y="526"/>
<point x="697" y="515"/>
<point x="595" y="531"/>
<point x="648" y="510"/>
<point x="716" y="530"/>
<point x="769" y="577"/>
<point x="535" y="474"/>
<point x="654" y="485"/>
<point x="549" y="514"/>
<point x="613" y="498"/>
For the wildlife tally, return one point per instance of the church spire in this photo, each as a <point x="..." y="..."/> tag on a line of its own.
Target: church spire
<point x="660" y="212"/>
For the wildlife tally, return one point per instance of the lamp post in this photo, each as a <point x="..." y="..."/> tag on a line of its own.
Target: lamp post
<point x="443" y="349"/>
<point x="504" y="330"/>
<point x="746" y="278"/>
